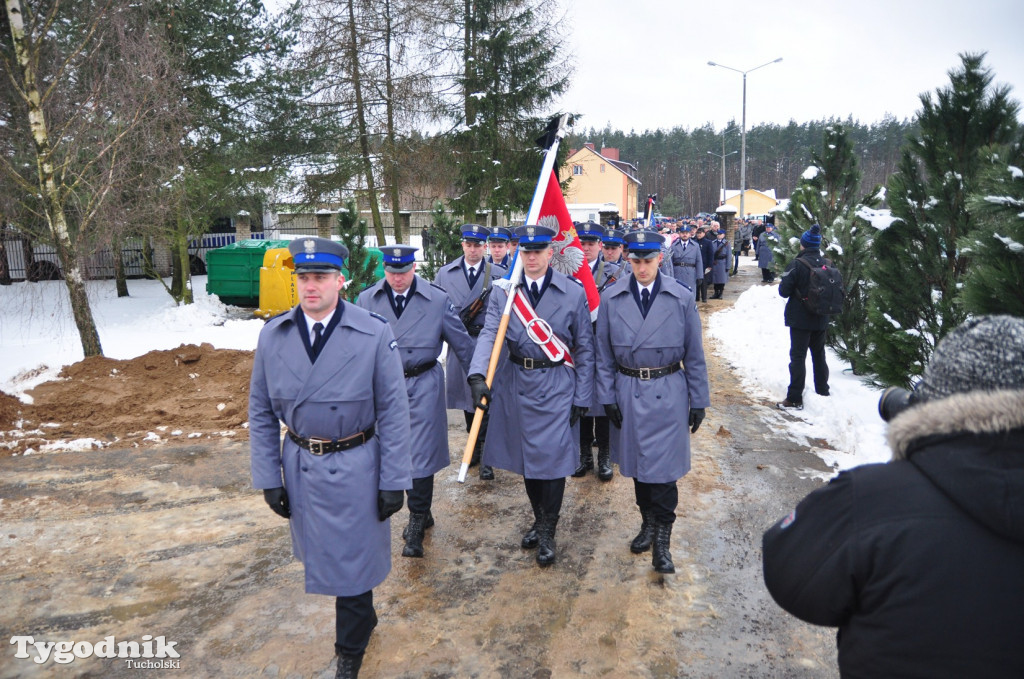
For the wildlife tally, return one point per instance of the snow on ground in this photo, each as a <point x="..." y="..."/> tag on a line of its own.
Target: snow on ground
<point x="753" y="337"/>
<point x="38" y="337"/>
<point x="38" y="334"/>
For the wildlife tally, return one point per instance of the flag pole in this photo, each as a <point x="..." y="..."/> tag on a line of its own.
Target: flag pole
<point x="517" y="273"/>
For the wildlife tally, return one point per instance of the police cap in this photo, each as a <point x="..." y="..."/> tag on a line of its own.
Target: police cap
<point x="644" y="244"/>
<point x="398" y="258"/>
<point x="534" y="236"/>
<point x="317" y="254"/>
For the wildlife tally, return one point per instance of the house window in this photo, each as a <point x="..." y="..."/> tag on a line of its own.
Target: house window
<point x="602" y="167"/>
<point x="577" y="169"/>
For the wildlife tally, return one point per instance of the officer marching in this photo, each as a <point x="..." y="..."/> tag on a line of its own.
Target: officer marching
<point x="331" y="373"/>
<point x="422" y="317"/>
<point x="653" y="383"/>
<point x="542" y="387"/>
<point x="594" y="425"/>
<point x="687" y="264"/>
<point x="498" y="246"/>
<point x="469" y="282"/>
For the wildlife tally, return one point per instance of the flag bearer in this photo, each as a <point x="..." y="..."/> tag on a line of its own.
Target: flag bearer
<point x="653" y="383"/>
<point x="537" y="395"/>
<point x="421" y="316"/>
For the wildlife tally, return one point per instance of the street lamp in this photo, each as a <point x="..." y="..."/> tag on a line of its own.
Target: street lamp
<point x="723" y="157"/>
<point x="743" y="134"/>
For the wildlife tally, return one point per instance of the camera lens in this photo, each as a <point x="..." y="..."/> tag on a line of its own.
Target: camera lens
<point x="894" y="401"/>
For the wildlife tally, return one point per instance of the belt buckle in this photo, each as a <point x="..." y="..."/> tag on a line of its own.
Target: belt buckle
<point x="527" y="362"/>
<point x="316" y="446"/>
<point x="645" y="374"/>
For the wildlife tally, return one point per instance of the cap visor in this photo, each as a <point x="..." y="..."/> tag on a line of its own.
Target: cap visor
<point x="398" y="268"/>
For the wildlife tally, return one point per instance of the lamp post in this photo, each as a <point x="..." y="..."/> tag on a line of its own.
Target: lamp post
<point x="743" y="133"/>
<point x="723" y="157"/>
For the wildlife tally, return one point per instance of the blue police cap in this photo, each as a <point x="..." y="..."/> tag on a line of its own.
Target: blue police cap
<point x="317" y="254"/>
<point x="590" y="231"/>
<point x="398" y="258"/>
<point x="614" y="237"/>
<point x="499" y="233"/>
<point x="534" y="236"/>
<point x="644" y="244"/>
<point x="475" y="232"/>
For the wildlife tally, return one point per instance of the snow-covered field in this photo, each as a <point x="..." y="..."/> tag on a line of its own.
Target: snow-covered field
<point x="38" y="337"/>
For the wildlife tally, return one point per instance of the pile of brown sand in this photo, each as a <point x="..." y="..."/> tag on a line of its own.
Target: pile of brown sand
<point x="188" y="392"/>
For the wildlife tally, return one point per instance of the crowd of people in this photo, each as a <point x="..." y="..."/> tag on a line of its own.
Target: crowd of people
<point x="363" y="397"/>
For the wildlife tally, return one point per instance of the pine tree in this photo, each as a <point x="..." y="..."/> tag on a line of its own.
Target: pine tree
<point x="995" y="281"/>
<point x="826" y="196"/>
<point x="361" y="264"/>
<point x="916" y="268"/>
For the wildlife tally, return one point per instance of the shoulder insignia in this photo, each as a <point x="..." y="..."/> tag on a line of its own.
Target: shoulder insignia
<point x="393" y="344"/>
<point x="788" y="521"/>
<point x="378" y="317"/>
<point x="451" y="307"/>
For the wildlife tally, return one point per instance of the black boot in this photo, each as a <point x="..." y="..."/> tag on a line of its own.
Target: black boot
<point x="586" y="461"/>
<point x="486" y="472"/>
<point x="661" y="557"/>
<point x="414" y="535"/>
<point x="348" y="666"/>
<point x="531" y="539"/>
<point x="604" y="464"/>
<point x="546" y="539"/>
<point x="642" y="542"/>
<point x="426" y="524"/>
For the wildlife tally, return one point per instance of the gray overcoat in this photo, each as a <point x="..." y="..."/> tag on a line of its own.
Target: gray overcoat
<point x="428" y="319"/>
<point x="687" y="265"/>
<point x="653" y="445"/>
<point x="765" y="256"/>
<point x="529" y="431"/>
<point x="452" y="278"/>
<point x="720" y="267"/>
<point x="606" y="275"/>
<point x="355" y="383"/>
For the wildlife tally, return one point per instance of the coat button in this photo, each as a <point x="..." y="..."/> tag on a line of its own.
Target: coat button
<point x="333" y="471"/>
<point x="334" y="407"/>
<point x="305" y="469"/>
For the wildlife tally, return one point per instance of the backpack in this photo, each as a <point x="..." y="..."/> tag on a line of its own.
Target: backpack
<point x="825" y="292"/>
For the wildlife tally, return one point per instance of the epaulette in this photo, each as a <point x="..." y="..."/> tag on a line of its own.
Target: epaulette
<point x="576" y="281"/>
<point x="378" y="317"/>
<point x="278" y="315"/>
<point x="435" y="285"/>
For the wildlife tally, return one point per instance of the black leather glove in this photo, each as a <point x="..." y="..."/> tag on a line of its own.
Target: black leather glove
<point x="389" y="502"/>
<point x="478" y="387"/>
<point x="614" y="414"/>
<point x="576" y="413"/>
<point x="277" y="498"/>
<point x="696" y="417"/>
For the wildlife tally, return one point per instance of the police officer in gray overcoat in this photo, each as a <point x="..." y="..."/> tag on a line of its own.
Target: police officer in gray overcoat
<point x="537" y="400"/>
<point x="653" y="381"/>
<point x="765" y="253"/>
<point x="332" y="373"/>
<point x="594" y="425"/>
<point x="720" y="254"/>
<point x="422" y="317"/>
<point x="687" y="264"/>
<point x="466" y="280"/>
<point x="611" y="250"/>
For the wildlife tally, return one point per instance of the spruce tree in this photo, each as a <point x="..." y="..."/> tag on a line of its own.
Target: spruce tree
<point x="916" y="268"/>
<point x="361" y="266"/>
<point x="995" y="281"/>
<point x="441" y="241"/>
<point x="826" y="196"/>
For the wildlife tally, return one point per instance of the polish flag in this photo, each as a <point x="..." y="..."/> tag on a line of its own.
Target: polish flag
<point x="568" y="257"/>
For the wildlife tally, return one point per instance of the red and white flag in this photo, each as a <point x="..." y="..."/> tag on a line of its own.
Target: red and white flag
<point x="568" y="255"/>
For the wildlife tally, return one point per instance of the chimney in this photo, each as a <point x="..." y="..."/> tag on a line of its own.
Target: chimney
<point x="609" y="153"/>
<point x="590" y="145"/>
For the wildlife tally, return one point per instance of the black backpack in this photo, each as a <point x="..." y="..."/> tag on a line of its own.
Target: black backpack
<point x="825" y="292"/>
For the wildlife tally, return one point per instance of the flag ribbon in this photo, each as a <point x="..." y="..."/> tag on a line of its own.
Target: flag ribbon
<point x="539" y="331"/>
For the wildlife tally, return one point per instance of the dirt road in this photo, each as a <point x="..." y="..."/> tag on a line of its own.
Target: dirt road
<point x="169" y="540"/>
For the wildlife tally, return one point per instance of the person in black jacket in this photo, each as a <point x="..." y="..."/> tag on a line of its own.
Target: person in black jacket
<point x="920" y="562"/>
<point x="807" y="330"/>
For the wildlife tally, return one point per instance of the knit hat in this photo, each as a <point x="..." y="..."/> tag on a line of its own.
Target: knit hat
<point x="811" y="239"/>
<point x="982" y="354"/>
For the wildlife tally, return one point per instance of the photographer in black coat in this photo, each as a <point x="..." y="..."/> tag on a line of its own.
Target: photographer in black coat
<point x="807" y="330"/>
<point x="920" y="562"/>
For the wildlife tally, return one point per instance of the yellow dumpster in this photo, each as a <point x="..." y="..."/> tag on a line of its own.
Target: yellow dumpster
<point x="277" y="283"/>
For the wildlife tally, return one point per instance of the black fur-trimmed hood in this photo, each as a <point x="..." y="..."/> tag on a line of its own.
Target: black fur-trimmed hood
<point x="970" y="446"/>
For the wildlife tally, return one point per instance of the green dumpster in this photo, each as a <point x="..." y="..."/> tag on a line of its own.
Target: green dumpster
<point x="233" y="271"/>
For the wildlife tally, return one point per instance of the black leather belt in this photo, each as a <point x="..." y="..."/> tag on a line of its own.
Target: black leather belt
<point x="650" y="373"/>
<point x="692" y="265"/>
<point x="534" y="363"/>
<point x="324" y="446"/>
<point x="420" y="369"/>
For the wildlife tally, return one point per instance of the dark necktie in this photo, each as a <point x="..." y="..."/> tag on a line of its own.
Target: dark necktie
<point x="535" y="293"/>
<point x="472" y="277"/>
<point x="645" y="301"/>
<point x="318" y="339"/>
<point x="399" y="304"/>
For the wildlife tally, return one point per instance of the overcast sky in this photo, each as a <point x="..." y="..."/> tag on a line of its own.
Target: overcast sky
<point x="642" y="64"/>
